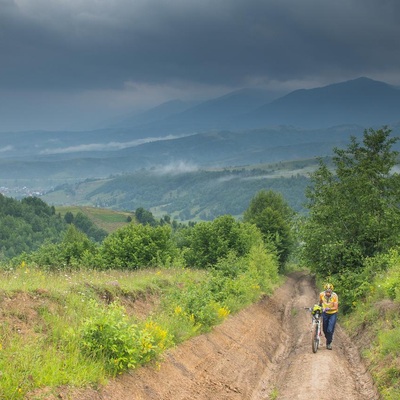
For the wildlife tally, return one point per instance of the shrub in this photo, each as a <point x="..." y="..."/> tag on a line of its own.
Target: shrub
<point x="263" y="265"/>
<point x="208" y="242"/>
<point x="136" y="245"/>
<point x="110" y="336"/>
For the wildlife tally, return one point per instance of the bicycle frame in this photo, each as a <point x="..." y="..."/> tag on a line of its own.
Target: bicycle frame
<point x="316" y="327"/>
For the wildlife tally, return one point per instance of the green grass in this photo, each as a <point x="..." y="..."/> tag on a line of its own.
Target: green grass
<point x="375" y="322"/>
<point x="32" y="280"/>
<point x="81" y="328"/>
<point x="43" y="315"/>
<point x="107" y="219"/>
<point x="274" y="394"/>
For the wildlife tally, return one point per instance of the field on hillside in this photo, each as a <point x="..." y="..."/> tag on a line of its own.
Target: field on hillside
<point x="107" y="219"/>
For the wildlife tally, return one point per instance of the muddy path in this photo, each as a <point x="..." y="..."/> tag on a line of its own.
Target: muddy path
<point x="264" y="352"/>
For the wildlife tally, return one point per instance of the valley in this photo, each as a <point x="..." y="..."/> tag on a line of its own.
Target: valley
<point x="197" y="161"/>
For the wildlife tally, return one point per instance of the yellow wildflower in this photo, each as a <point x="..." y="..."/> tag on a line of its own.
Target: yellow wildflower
<point x="223" y="312"/>
<point x="178" y="310"/>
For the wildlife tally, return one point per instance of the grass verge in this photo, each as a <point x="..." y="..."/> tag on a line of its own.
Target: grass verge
<point x="81" y="328"/>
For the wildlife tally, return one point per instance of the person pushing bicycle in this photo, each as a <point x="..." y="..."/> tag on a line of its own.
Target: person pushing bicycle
<point x="329" y="301"/>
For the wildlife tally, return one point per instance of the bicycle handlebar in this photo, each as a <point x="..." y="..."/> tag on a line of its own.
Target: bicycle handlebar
<point x="310" y="309"/>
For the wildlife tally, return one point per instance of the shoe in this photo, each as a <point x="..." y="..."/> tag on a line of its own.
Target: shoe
<point x="329" y="346"/>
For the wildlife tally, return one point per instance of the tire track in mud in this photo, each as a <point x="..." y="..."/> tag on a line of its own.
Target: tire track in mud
<point x="301" y="374"/>
<point x="263" y="352"/>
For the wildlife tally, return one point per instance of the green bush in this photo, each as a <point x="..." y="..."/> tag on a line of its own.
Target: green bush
<point x="352" y="287"/>
<point x="263" y="265"/>
<point x="74" y="248"/>
<point x="389" y="341"/>
<point x="208" y="242"/>
<point x="135" y="246"/>
<point x="110" y="336"/>
<point x="389" y="284"/>
<point x="375" y="314"/>
<point x="269" y="211"/>
<point x="231" y="284"/>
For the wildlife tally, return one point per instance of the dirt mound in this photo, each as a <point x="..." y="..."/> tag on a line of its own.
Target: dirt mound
<point x="264" y="352"/>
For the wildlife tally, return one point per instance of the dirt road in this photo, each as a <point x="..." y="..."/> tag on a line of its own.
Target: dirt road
<point x="264" y="352"/>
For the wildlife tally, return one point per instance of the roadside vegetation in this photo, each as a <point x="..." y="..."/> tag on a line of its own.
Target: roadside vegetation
<point x="69" y="308"/>
<point x="84" y="304"/>
<point x="351" y="237"/>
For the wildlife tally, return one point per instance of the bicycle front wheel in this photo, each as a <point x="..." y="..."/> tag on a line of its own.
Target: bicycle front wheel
<point x="315" y="338"/>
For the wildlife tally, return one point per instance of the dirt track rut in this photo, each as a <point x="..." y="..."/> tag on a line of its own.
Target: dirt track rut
<point x="264" y="352"/>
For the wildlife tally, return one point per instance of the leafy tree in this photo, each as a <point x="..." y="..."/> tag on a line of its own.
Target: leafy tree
<point x="25" y="225"/>
<point x="208" y="242"/>
<point x="135" y="246"/>
<point x="69" y="217"/>
<point x="38" y="206"/>
<point x="86" y="225"/>
<point x="354" y="210"/>
<point x="269" y="211"/>
<point x="145" y="217"/>
<point x="74" y="247"/>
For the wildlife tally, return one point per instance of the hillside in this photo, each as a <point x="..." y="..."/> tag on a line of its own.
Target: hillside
<point x="253" y="355"/>
<point x="188" y="194"/>
<point x="106" y="219"/>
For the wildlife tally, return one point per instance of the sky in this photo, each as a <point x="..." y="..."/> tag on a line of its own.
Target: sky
<point x="75" y="64"/>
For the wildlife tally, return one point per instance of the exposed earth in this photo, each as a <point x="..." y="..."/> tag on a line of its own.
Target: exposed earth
<point x="263" y="352"/>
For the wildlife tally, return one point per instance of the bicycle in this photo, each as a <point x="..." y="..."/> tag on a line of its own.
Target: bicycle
<point x="316" y="325"/>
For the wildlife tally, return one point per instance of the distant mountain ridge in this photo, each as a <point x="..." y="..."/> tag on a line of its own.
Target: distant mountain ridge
<point x="241" y="128"/>
<point x="157" y="113"/>
<point x="360" y="101"/>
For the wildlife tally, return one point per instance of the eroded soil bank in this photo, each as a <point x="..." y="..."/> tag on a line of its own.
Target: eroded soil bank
<point x="264" y="352"/>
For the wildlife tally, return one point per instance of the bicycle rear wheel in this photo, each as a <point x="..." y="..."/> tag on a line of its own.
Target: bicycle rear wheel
<point x="315" y="339"/>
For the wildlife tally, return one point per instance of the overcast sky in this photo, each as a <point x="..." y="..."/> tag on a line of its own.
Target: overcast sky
<point x="70" y="64"/>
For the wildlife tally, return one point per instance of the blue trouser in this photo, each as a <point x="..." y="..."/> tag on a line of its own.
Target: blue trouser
<point x="329" y="322"/>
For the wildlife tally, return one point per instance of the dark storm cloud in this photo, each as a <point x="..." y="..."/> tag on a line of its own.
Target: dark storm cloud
<point x="68" y="64"/>
<point x="67" y="45"/>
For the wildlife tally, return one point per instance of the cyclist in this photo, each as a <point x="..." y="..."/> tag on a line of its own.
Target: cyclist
<point x="329" y="302"/>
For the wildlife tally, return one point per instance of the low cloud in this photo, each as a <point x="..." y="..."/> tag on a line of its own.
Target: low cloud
<point x="6" y="149"/>
<point x="178" y="167"/>
<point x="111" y="146"/>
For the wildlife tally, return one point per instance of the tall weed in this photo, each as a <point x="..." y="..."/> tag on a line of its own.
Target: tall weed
<point x="376" y="315"/>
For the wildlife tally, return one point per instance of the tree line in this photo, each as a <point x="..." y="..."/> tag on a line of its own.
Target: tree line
<point x="147" y="242"/>
<point x="25" y="225"/>
<point x="353" y="217"/>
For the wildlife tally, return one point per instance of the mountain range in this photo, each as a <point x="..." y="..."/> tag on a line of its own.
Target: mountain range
<point x="241" y="128"/>
<point x="361" y="101"/>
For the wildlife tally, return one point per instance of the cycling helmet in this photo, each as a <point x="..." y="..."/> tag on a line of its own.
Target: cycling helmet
<point x="328" y="286"/>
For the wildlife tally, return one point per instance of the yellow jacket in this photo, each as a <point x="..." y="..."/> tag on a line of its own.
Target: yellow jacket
<point x="329" y="304"/>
